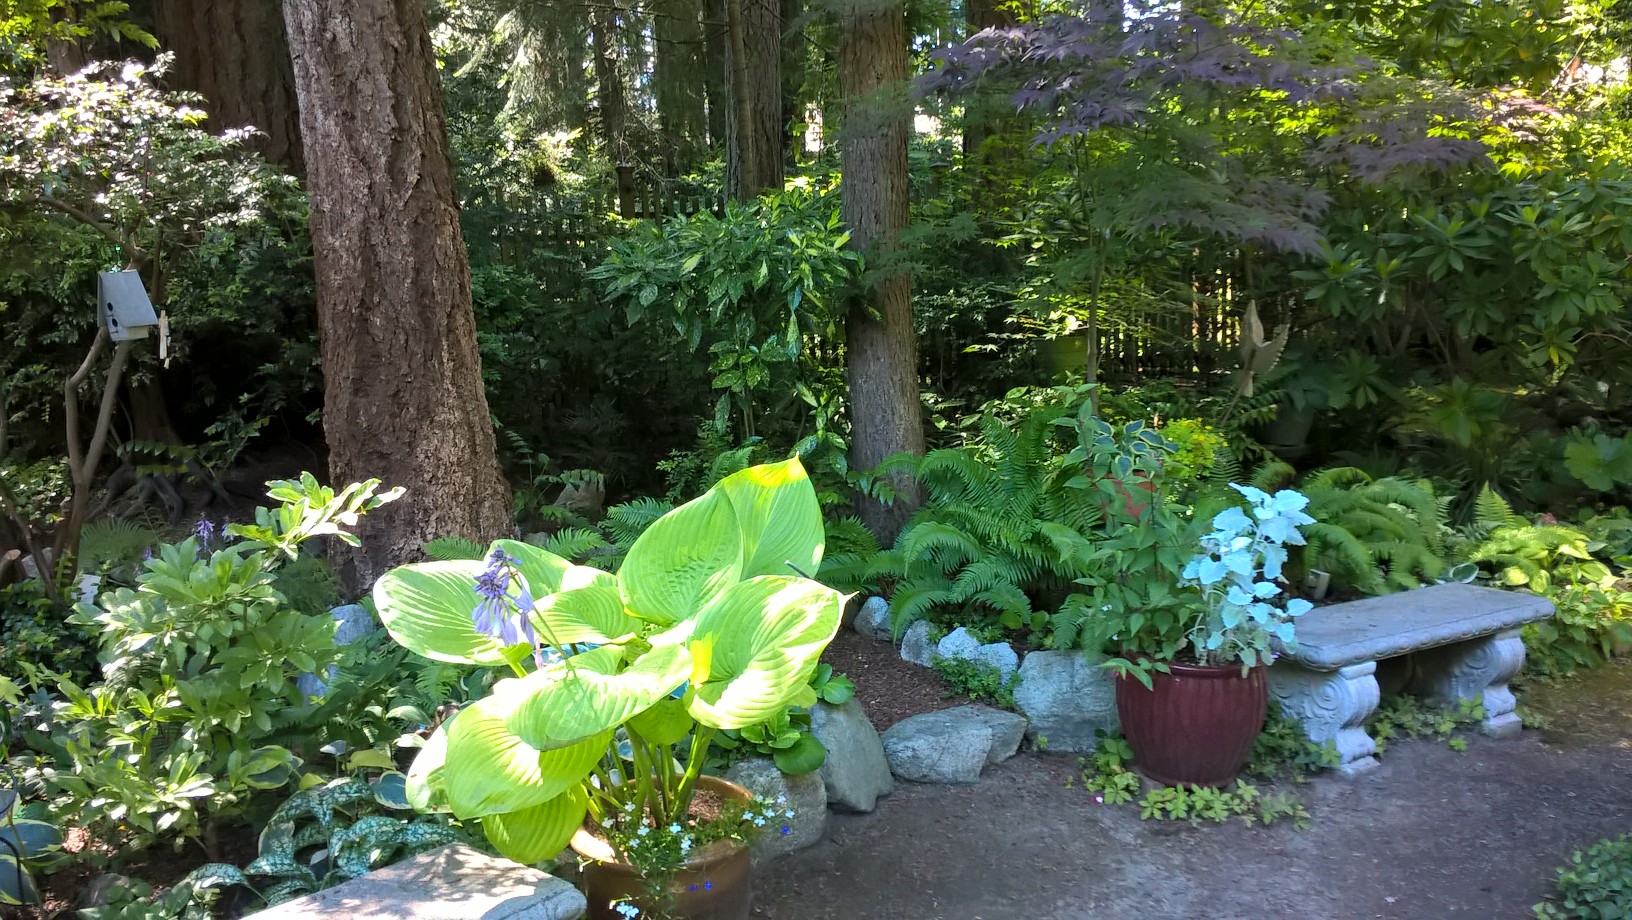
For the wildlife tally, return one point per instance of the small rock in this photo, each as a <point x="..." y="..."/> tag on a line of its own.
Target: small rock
<point x="958" y="644"/>
<point x="999" y="655"/>
<point x="915" y="644"/>
<point x="1066" y="697"/>
<point x="856" y="771"/>
<point x="873" y="620"/>
<point x="806" y="794"/>
<point x="954" y="745"/>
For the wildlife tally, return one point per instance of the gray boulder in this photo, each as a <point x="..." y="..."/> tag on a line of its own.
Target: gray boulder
<point x="805" y="795"/>
<point x="353" y="623"/>
<point x="998" y="655"/>
<point x="958" y="644"/>
<point x="1066" y="697"/>
<point x="915" y="644"/>
<point x="873" y="619"/>
<point x="952" y="746"/>
<point x="856" y="771"/>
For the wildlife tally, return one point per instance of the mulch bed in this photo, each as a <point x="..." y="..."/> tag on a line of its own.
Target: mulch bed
<point x="889" y="688"/>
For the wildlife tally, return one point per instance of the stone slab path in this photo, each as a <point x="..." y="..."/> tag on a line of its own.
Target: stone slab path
<point x="1431" y="833"/>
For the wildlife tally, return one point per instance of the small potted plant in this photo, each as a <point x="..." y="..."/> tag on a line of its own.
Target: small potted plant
<point x="621" y="683"/>
<point x="1192" y="640"/>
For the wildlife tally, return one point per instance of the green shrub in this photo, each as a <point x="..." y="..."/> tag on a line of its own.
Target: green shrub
<point x="1596" y="884"/>
<point x="200" y="663"/>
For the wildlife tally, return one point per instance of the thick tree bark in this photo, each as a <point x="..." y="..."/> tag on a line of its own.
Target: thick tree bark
<point x="234" y="53"/>
<point x="678" y="79"/>
<point x="716" y="71"/>
<point x="609" y="95"/>
<point x="795" y="55"/>
<point x="885" y="413"/>
<point x="754" y="158"/>
<point x="403" y="394"/>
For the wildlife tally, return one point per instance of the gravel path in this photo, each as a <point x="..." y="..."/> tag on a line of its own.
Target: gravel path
<point x="1432" y="833"/>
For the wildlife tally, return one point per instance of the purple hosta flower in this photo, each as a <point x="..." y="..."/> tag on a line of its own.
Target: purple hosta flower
<point x="204" y="530"/>
<point x="500" y="614"/>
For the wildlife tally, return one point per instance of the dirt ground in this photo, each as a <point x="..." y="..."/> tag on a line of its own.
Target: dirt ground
<point x="1432" y="833"/>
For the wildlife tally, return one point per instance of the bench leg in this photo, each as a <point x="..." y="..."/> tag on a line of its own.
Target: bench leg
<point x="1477" y="668"/>
<point x="1332" y="706"/>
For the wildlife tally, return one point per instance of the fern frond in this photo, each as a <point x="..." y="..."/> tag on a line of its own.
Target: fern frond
<point x="625" y="522"/>
<point x="573" y="543"/>
<point x="451" y="549"/>
<point x="1273" y="476"/>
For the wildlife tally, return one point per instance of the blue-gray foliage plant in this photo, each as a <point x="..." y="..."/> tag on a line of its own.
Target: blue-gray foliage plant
<point x="1237" y="570"/>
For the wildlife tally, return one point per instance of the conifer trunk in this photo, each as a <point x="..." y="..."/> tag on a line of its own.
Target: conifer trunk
<point x="403" y="398"/>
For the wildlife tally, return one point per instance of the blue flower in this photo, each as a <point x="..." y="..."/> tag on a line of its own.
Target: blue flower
<point x="498" y="614"/>
<point x="708" y="886"/>
<point x="786" y="830"/>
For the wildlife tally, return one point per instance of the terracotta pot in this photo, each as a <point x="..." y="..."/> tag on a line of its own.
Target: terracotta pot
<point x="714" y="884"/>
<point x="1196" y="725"/>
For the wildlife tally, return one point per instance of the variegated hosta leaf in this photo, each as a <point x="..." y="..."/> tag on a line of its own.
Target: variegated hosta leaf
<point x="536" y="834"/>
<point x="16" y="885"/>
<point x="543" y="569"/>
<point x="756" y="647"/>
<point x="490" y="769"/>
<point x="684" y="560"/>
<point x="780" y="519"/>
<point x="427" y="608"/>
<point x="585" y="694"/>
<point x="592" y="614"/>
<point x="426" y="791"/>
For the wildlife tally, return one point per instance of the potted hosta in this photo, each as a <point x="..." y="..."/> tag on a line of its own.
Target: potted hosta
<point x="620" y="684"/>
<point x="1192" y="643"/>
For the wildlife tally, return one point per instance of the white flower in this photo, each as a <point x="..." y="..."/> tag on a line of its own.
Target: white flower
<point x="606" y="822"/>
<point x="758" y="821"/>
<point x="781" y="800"/>
<point x="625" y="909"/>
<point x="644" y="830"/>
<point x="685" y="845"/>
<point x="674" y="828"/>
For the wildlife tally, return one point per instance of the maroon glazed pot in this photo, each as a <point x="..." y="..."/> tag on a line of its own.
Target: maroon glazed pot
<point x="1196" y="725"/>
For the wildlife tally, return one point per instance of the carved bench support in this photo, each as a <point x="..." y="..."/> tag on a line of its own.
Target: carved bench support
<point x="1332" y="706"/>
<point x="1471" y="670"/>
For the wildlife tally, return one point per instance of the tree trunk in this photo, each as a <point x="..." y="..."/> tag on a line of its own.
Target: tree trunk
<point x="403" y="396"/>
<point x="235" y="54"/>
<point x="885" y="413"/>
<point x="716" y="71"/>
<point x="753" y="160"/>
<point x="609" y="95"/>
<point x="795" y="57"/>
<point x="981" y="15"/>
<point x="678" y="79"/>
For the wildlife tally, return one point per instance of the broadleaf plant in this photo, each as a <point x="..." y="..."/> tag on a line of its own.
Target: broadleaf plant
<point x="621" y="681"/>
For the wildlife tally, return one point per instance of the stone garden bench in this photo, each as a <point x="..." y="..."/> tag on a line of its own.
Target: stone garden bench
<point x="453" y="882"/>
<point x="1446" y="642"/>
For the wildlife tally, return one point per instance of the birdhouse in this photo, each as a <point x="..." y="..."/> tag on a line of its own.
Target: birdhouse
<point x="123" y="303"/>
